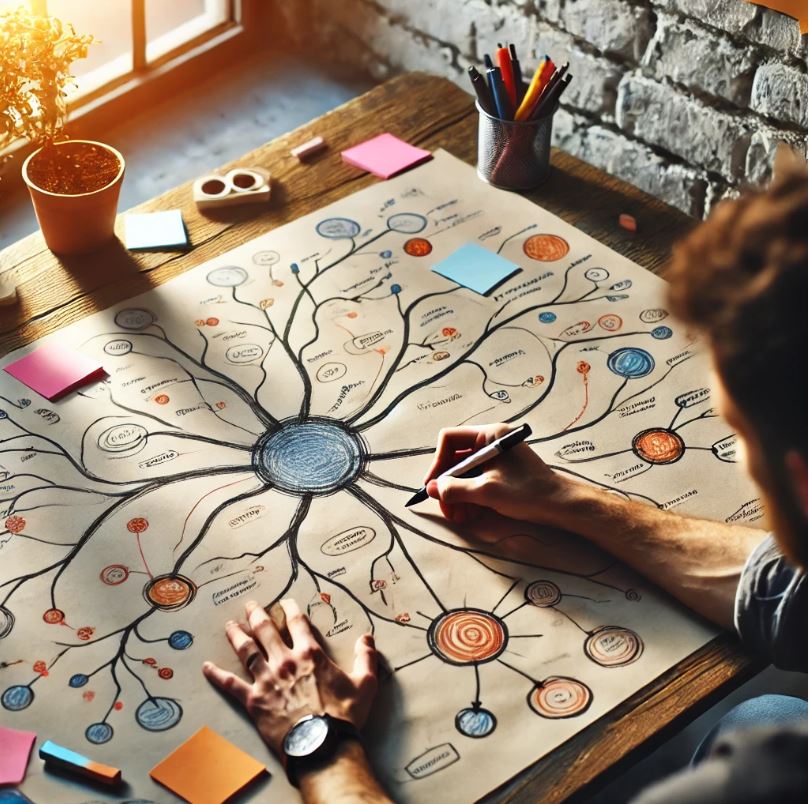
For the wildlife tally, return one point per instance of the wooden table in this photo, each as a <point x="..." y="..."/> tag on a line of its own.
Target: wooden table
<point x="430" y="112"/>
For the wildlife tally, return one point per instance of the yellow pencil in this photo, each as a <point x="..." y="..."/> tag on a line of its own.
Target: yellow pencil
<point x="540" y="78"/>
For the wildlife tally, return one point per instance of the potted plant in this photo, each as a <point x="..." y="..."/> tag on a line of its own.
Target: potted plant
<point x="74" y="184"/>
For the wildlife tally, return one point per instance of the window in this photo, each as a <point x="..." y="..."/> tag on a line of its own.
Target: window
<point x="134" y="36"/>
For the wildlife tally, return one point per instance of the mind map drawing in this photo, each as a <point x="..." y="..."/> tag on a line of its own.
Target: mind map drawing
<point x="264" y="419"/>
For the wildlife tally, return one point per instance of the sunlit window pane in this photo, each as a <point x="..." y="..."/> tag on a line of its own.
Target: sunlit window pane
<point x="169" y="25"/>
<point x="109" y="21"/>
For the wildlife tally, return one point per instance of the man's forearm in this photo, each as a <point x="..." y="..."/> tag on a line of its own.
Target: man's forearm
<point x="346" y="779"/>
<point x="697" y="561"/>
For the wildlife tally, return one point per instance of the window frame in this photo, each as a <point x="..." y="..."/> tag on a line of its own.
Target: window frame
<point x="148" y="82"/>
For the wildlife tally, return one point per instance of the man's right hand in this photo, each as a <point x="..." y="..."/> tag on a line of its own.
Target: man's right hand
<point x="517" y="484"/>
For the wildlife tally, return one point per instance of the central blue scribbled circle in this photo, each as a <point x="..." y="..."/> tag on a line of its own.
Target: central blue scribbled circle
<point x="631" y="363"/>
<point x="316" y="456"/>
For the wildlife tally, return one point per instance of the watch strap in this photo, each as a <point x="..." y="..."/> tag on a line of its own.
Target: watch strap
<point x="339" y="730"/>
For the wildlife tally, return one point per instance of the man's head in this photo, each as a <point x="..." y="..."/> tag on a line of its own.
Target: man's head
<point x="740" y="278"/>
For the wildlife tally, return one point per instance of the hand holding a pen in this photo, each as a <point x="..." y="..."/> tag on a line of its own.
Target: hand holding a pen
<point x="517" y="484"/>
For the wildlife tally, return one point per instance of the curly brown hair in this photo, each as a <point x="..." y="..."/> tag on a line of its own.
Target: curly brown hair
<point x="741" y="279"/>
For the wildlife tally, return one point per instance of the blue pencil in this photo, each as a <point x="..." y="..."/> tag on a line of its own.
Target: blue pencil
<point x="499" y="94"/>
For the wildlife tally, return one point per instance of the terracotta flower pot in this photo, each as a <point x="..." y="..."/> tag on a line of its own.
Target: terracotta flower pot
<point x="81" y="222"/>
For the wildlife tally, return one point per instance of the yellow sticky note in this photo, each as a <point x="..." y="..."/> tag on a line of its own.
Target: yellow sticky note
<point x="206" y="769"/>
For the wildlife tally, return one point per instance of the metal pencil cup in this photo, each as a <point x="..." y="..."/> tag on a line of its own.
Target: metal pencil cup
<point x="512" y="154"/>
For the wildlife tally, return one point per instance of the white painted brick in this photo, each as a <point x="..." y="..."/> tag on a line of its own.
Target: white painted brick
<point x="680" y="186"/>
<point x="443" y="20"/>
<point x="727" y="15"/>
<point x="761" y="153"/>
<point x="779" y="91"/>
<point x="691" y="55"/>
<point x="506" y="23"/>
<point x="779" y="32"/>
<point x="611" y="25"/>
<point x="548" y="10"/>
<point x="658" y="114"/>
<point x="718" y="192"/>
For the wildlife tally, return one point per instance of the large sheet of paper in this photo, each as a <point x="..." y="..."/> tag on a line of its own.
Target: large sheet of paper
<point x="264" y="419"/>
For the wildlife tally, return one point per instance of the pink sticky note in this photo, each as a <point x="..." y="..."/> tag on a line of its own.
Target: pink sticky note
<point x="15" y="748"/>
<point x="53" y="370"/>
<point x="385" y="156"/>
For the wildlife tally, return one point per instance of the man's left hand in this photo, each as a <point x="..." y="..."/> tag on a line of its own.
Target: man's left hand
<point x="289" y="681"/>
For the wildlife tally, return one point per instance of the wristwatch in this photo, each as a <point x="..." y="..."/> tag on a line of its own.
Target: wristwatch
<point x="312" y="742"/>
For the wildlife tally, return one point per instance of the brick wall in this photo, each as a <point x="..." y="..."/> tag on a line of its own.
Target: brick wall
<point x="687" y="99"/>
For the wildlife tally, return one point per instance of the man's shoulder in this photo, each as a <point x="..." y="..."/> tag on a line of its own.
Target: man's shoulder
<point x="771" y="611"/>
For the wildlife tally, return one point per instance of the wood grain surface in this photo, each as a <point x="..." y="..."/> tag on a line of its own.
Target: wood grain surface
<point x="432" y="113"/>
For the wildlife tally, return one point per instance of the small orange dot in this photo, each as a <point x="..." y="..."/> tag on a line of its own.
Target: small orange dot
<point x="161" y="399"/>
<point x="212" y="322"/>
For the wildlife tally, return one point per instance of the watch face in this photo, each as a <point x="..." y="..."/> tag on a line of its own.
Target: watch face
<point x="306" y="736"/>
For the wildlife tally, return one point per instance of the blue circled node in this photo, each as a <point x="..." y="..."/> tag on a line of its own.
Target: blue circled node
<point x="295" y="268"/>
<point x="407" y="222"/>
<point x="386" y="254"/>
<point x="475" y="722"/>
<point x="78" y="680"/>
<point x="631" y="363"/>
<point x="180" y="640"/>
<point x="99" y="733"/>
<point x="547" y="318"/>
<point x="661" y="333"/>
<point x="395" y="288"/>
<point x="318" y="456"/>
<point x="158" y="714"/>
<point x="3" y="414"/>
<point x="338" y="228"/>
<point x="17" y="697"/>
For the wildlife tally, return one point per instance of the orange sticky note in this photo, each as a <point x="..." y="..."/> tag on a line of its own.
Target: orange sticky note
<point x="207" y="769"/>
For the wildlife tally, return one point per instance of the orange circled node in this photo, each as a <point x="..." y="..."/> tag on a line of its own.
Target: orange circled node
<point x="169" y="592"/>
<point x="40" y="666"/>
<point x="560" y="697"/>
<point x="467" y="636"/>
<point x="583" y="367"/>
<point x="85" y="633"/>
<point x="658" y="446"/>
<point x="54" y="616"/>
<point x="610" y="322"/>
<point x="212" y="322"/>
<point x="161" y="399"/>
<point x="118" y="706"/>
<point x="114" y="574"/>
<point x="613" y="646"/>
<point x="545" y="247"/>
<point x="200" y="322"/>
<point x="137" y="524"/>
<point x="418" y="247"/>
<point x="15" y="524"/>
<point x="165" y="673"/>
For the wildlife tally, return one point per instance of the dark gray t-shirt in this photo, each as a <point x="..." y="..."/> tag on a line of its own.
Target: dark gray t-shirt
<point x="765" y="764"/>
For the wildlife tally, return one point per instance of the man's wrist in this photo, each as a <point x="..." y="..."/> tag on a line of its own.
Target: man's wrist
<point x="345" y="777"/>
<point x="569" y="507"/>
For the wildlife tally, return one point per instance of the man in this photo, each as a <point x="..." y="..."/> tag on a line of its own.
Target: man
<point x="741" y="280"/>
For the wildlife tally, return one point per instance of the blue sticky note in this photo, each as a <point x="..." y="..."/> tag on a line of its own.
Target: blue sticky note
<point x="155" y="230"/>
<point x="476" y="268"/>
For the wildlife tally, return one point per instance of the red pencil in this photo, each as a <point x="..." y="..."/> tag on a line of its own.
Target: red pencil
<point x="504" y="63"/>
